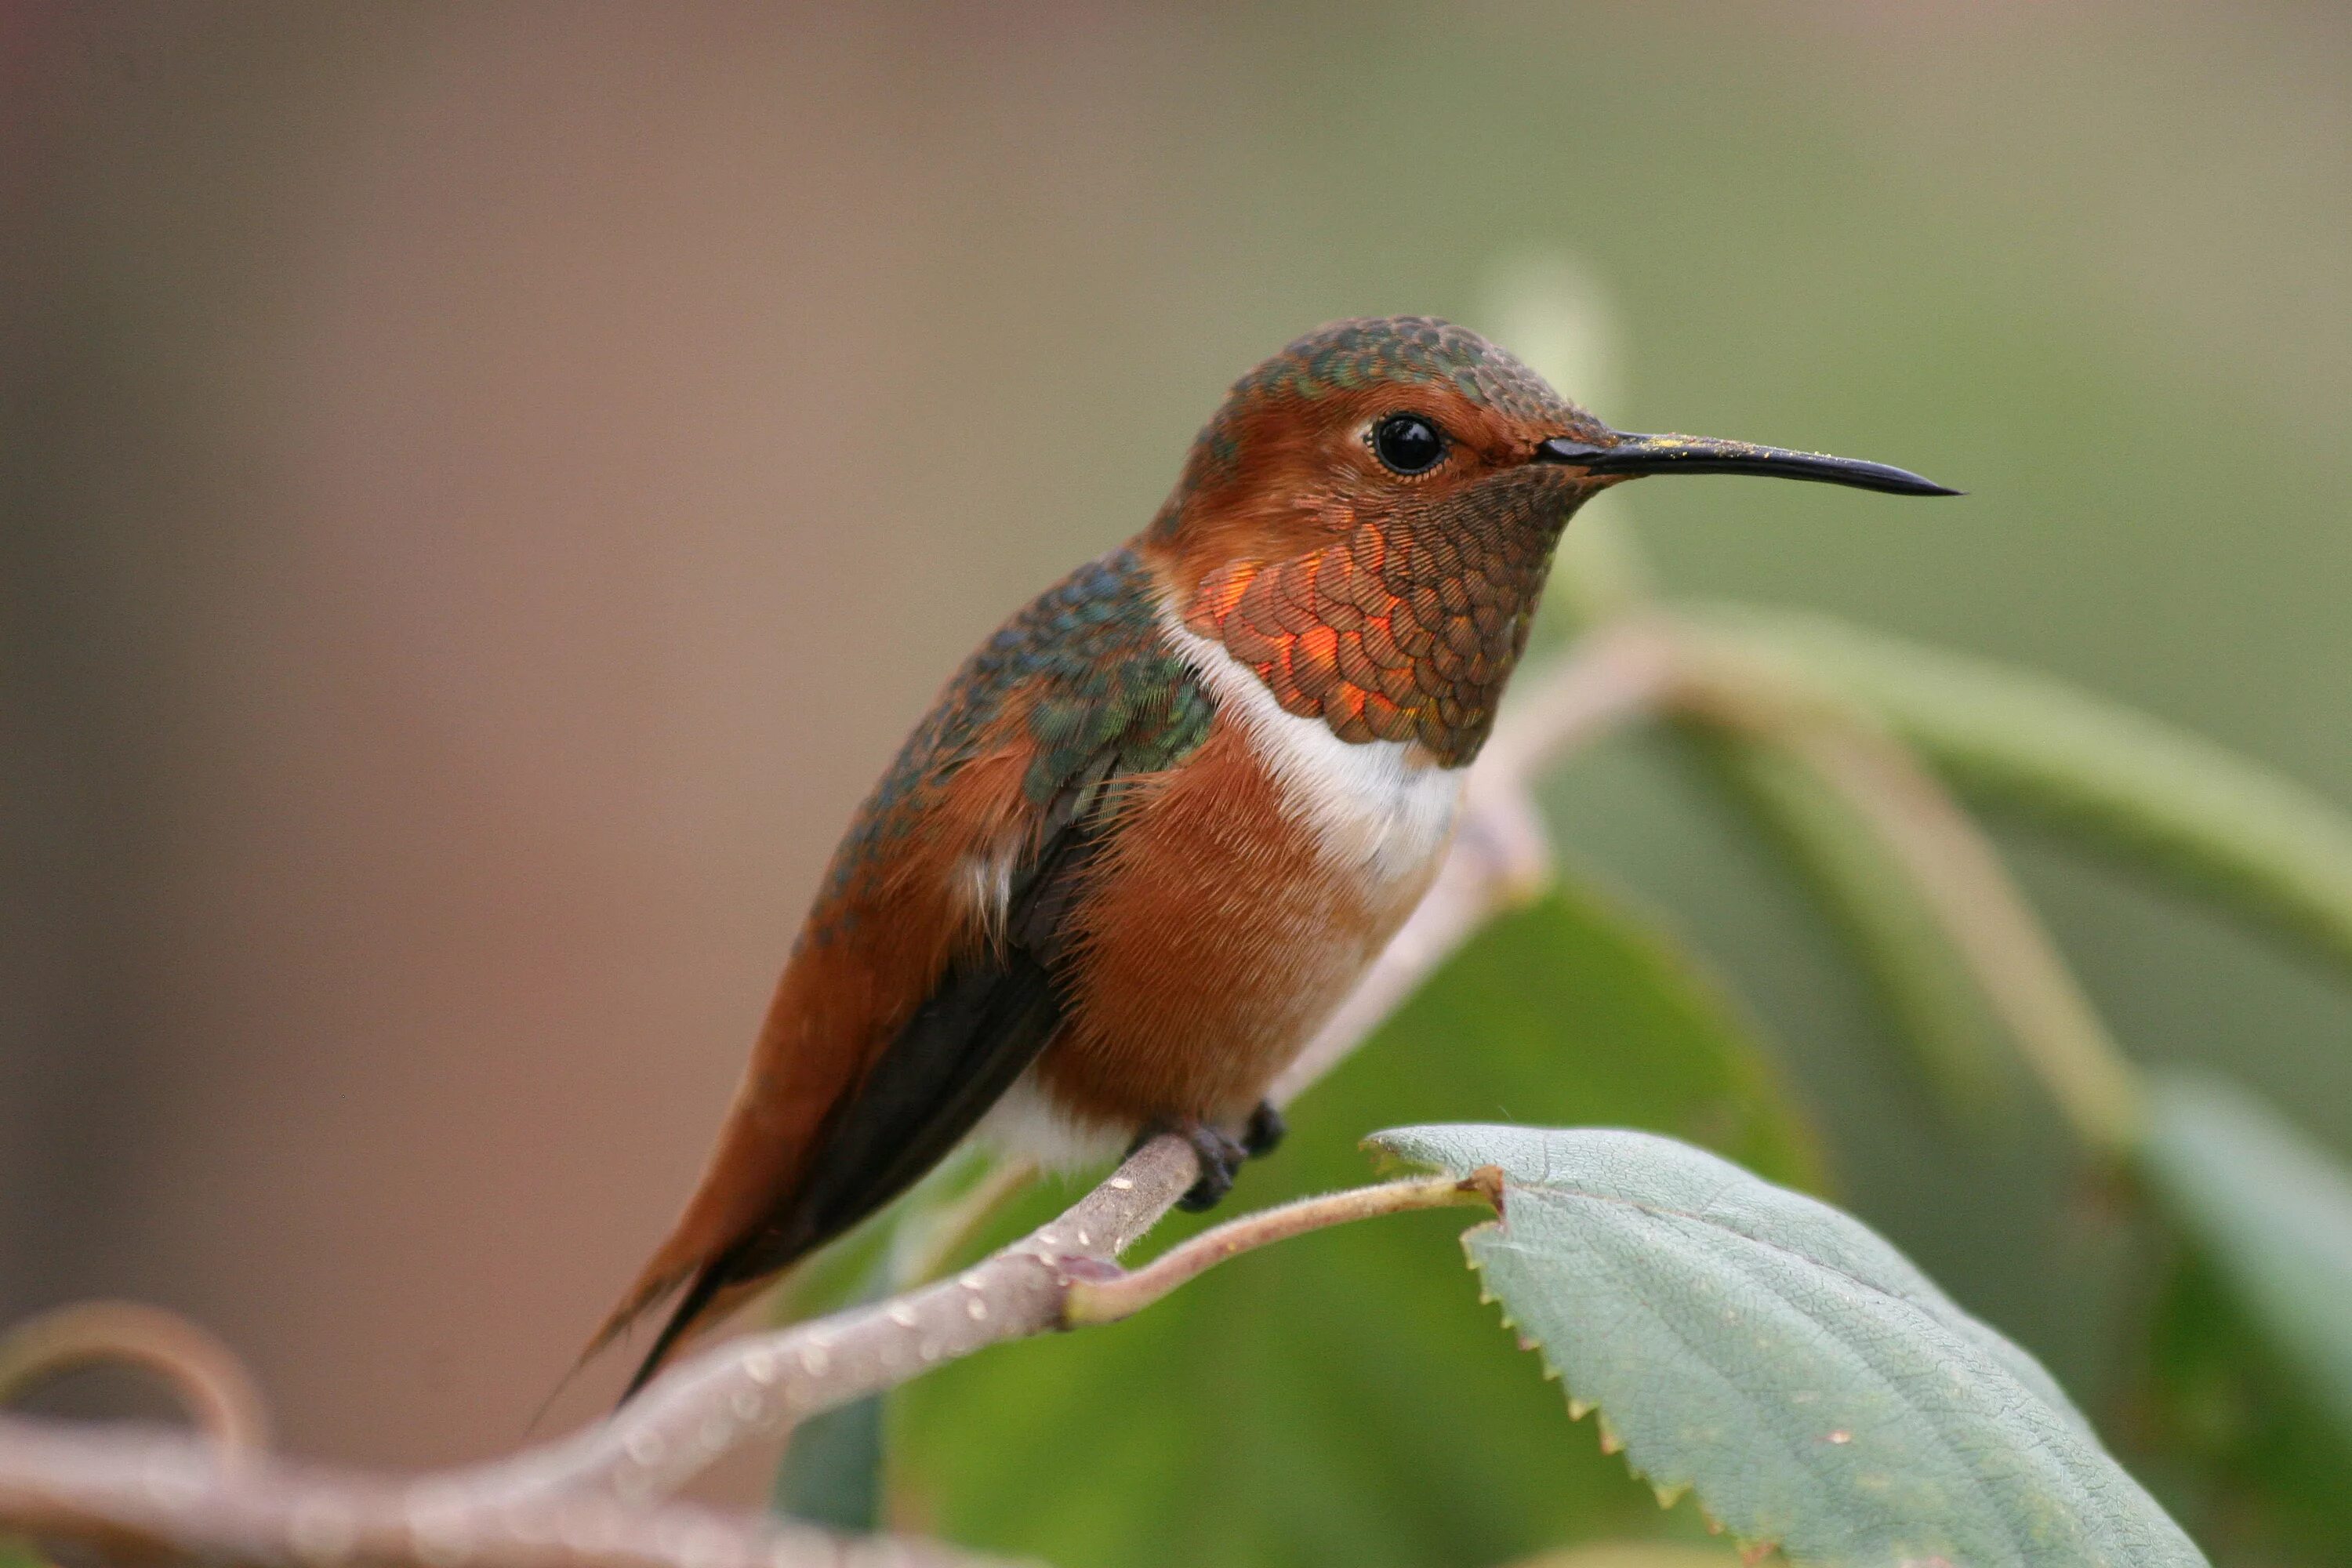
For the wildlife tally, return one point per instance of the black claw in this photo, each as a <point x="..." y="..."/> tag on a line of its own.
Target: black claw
<point x="1208" y="1192"/>
<point x="1261" y="1135"/>
<point x="1219" y="1152"/>
<point x="1221" y="1157"/>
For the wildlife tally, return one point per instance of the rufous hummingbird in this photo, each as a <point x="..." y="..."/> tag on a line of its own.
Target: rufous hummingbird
<point x="1154" y="829"/>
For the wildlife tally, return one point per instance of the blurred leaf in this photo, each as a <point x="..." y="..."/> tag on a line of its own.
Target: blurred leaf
<point x="1780" y="1357"/>
<point x="2265" y="847"/>
<point x="1306" y="1404"/>
<point x="15" y="1552"/>
<point x="1635" y="1554"/>
<point x="832" y="1470"/>
<point x="1936" y="1005"/>
<point x="2274" y="1211"/>
<point x="2228" y="1434"/>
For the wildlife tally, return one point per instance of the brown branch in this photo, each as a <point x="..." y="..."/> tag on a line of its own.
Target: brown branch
<point x="592" y="1497"/>
<point x="211" y="1383"/>
<point x="758" y="1386"/>
<point x="141" y="1493"/>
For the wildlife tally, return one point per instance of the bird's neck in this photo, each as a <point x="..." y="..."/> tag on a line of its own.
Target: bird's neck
<point x="1401" y="633"/>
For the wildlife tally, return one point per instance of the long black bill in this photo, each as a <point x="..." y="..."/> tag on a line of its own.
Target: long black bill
<point x="1628" y="454"/>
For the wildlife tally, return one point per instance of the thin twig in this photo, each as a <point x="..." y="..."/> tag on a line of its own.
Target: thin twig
<point x="1123" y="1296"/>
<point x="139" y="1491"/>
<point x="2010" y="951"/>
<point x="757" y="1386"/>
<point x="210" y="1382"/>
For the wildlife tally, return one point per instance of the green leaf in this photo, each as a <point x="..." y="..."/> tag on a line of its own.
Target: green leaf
<point x="15" y="1552"/>
<point x="2264" y="846"/>
<point x="1777" y="1356"/>
<point x="1342" y="1398"/>
<point x="2227" y="1433"/>
<point x="2273" y="1212"/>
<point x="831" y="1473"/>
<point x="1635" y="1554"/>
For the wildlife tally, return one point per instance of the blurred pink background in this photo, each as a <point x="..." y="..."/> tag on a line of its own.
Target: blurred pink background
<point x="487" y="487"/>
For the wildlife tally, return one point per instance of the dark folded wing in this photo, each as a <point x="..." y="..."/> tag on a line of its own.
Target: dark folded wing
<point x="989" y="1016"/>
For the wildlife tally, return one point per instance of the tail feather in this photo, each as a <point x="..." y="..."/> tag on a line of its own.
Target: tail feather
<point x="661" y="1277"/>
<point x="709" y="1283"/>
<point x="717" y="1288"/>
<point x="700" y="1254"/>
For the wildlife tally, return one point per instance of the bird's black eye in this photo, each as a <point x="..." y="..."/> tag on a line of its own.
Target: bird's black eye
<point x="1409" y="443"/>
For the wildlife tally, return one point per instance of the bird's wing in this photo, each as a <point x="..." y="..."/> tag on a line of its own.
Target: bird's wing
<point x="985" y="1019"/>
<point x="927" y="979"/>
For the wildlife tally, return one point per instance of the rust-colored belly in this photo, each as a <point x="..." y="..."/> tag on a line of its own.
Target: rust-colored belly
<point x="1220" y="934"/>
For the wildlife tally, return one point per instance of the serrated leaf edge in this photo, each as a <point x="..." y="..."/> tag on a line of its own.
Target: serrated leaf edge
<point x="1668" y="1491"/>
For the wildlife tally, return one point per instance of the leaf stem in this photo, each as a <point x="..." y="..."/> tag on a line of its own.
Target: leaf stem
<point x="2015" y="960"/>
<point x="2262" y="845"/>
<point x="1931" y="991"/>
<point x="1105" y="1300"/>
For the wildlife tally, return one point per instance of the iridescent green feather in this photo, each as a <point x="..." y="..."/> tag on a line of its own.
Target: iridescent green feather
<point x="1100" y="678"/>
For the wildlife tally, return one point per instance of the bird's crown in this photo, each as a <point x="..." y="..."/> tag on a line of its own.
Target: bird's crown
<point x="1399" y="351"/>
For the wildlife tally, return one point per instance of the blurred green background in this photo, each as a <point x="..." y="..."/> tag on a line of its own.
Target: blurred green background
<point x="487" y="489"/>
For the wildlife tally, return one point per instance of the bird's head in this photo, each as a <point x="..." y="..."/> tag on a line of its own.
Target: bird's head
<point x="1405" y="471"/>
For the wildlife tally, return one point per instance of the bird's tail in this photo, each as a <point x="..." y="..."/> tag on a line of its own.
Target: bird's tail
<point x="704" y="1254"/>
<point x="658" y="1281"/>
<point x="713" y="1291"/>
<point x="663" y="1274"/>
<point x="709" y="1301"/>
<point x="693" y="1308"/>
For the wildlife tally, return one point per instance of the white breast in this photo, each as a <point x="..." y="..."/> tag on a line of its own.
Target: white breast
<point x="1385" y="807"/>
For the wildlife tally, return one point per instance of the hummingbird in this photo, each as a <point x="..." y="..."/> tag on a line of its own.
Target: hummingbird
<point x="1154" y="829"/>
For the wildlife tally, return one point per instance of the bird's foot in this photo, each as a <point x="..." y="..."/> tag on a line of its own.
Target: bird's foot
<point x="1262" y="1133"/>
<point x="1220" y="1153"/>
